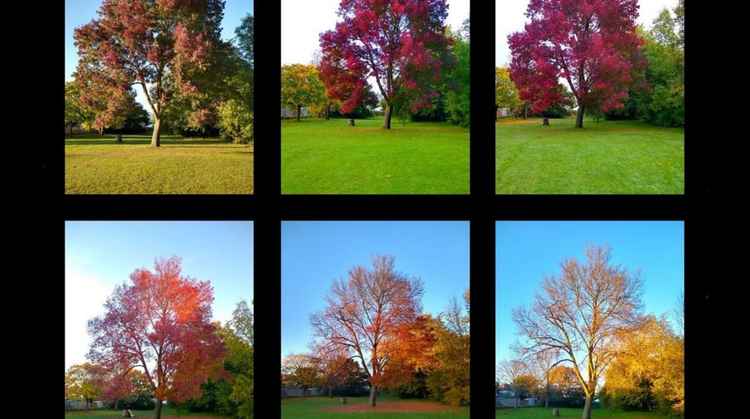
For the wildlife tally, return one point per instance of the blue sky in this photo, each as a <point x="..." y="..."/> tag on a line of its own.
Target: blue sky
<point x="314" y="254"/>
<point x="526" y="252"/>
<point x="101" y="255"/>
<point x="81" y="12"/>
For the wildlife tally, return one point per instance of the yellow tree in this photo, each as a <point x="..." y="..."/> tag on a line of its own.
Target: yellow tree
<point x="82" y="383"/>
<point x="452" y="352"/>
<point x="506" y="93"/>
<point x="301" y="87"/>
<point x="301" y="370"/>
<point x="649" y="368"/>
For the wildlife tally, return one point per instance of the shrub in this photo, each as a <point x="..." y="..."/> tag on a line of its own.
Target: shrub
<point x="138" y="402"/>
<point x="236" y="122"/>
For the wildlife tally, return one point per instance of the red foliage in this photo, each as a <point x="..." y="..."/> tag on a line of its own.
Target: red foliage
<point x="152" y="44"/>
<point x="398" y="43"/>
<point x="160" y="324"/>
<point x="591" y="44"/>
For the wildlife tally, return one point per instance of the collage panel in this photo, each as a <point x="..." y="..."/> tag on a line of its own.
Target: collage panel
<point x="590" y="97"/>
<point x="590" y="319"/>
<point x="159" y="319"/>
<point x="375" y="97"/>
<point x="159" y="97"/>
<point x="372" y="326"/>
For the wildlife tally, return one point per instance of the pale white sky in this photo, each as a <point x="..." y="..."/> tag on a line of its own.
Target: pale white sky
<point x="302" y="21"/>
<point x="510" y="17"/>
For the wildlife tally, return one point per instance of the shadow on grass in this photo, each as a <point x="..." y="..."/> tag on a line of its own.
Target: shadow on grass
<point x="136" y="140"/>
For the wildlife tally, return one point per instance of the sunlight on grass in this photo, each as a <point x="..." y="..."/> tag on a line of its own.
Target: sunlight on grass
<point x="330" y="157"/>
<point x="95" y="165"/>
<point x="607" y="157"/>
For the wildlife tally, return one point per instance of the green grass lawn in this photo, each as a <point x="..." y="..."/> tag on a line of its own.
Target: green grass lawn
<point x="99" y="165"/>
<point x="607" y="157"/>
<point x="166" y="413"/>
<point x="330" y="157"/>
<point x="315" y="408"/>
<point x="544" y="413"/>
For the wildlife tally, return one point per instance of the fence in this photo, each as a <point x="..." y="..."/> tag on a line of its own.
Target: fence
<point x="299" y="392"/>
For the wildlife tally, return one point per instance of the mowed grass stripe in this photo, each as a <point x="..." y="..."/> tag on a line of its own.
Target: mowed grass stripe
<point x="97" y="165"/>
<point x="607" y="157"/>
<point x="330" y="157"/>
<point x="319" y="408"/>
<point x="543" y="413"/>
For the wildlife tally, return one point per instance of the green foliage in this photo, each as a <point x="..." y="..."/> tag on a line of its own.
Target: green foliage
<point x="245" y="34"/>
<point x="215" y="397"/>
<point x="75" y="112"/>
<point x="139" y="401"/>
<point x="415" y="388"/>
<point x="458" y="81"/>
<point x="232" y="394"/>
<point x="236" y="122"/>
<point x="658" y="97"/>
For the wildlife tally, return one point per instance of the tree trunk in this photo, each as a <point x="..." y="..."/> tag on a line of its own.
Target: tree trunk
<point x="579" y="117"/>
<point x="299" y="112"/>
<point x="525" y="110"/>
<point x="387" y="119"/>
<point x="101" y="132"/>
<point x="157" y="412"/>
<point x="156" y="136"/>
<point x="373" y="395"/>
<point x="328" y="111"/>
<point x="587" y="407"/>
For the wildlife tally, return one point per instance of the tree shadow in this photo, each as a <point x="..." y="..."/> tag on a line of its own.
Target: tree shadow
<point x="141" y="140"/>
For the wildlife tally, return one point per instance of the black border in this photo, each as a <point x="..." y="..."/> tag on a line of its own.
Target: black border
<point x="700" y="209"/>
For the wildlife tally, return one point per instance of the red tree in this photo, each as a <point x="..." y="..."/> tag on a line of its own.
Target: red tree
<point x="400" y="44"/>
<point x="160" y="323"/>
<point x="365" y="312"/>
<point x="591" y="44"/>
<point x="159" y="45"/>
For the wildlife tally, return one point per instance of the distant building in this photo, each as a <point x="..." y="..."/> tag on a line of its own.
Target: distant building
<point x="503" y="112"/>
<point x="288" y="112"/>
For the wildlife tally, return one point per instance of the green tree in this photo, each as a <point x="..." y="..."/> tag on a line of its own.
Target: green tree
<point x="75" y="113"/>
<point x="245" y="36"/>
<point x="458" y="79"/>
<point x="235" y="122"/>
<point x="301" y="86"/>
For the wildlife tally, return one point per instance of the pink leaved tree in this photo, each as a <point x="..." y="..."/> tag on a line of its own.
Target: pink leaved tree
<point x="399" y="44"/>
<point x="590" y="44"/>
